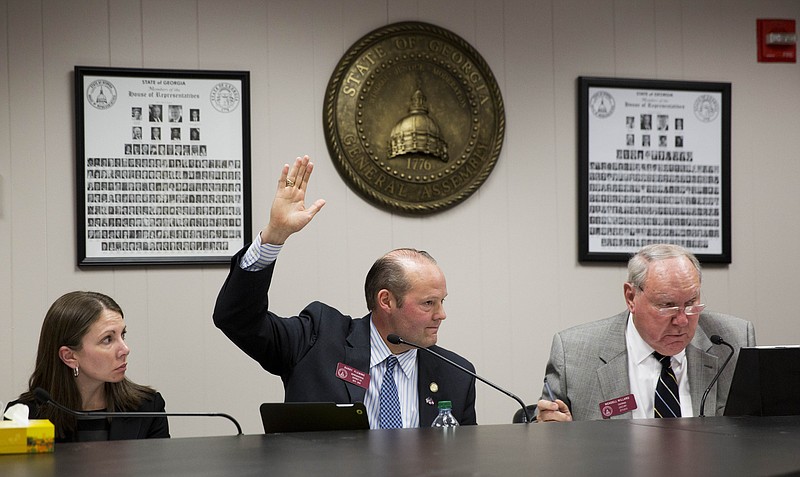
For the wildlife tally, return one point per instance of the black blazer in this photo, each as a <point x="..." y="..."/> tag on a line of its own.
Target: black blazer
<point x="305" y="350"/>
<point x="123" y="428"/>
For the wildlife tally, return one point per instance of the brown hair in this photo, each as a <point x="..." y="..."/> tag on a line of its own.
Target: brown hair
<point x="389" y="272"/>
<point x="65" y="324"/>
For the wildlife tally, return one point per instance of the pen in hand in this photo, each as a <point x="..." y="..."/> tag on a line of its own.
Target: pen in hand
<point x="549" y="391"/>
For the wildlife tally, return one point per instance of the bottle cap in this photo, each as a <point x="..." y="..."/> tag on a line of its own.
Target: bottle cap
<point x="445" y="405"/>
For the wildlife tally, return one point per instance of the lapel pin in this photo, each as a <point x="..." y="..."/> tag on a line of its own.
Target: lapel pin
<point x="434" y="387"/>
<point x="429" y="401"/>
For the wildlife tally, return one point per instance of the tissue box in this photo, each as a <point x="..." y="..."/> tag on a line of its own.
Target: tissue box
<point x="36" y="437"/>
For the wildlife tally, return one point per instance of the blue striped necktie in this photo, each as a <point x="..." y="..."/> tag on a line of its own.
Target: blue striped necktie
<point x="390" y="417"/>
<point x="667" y="400"/>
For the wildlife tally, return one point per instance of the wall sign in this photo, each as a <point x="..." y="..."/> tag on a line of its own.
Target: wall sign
<point x="163" y="165"/>
<point x="654" y="167"/>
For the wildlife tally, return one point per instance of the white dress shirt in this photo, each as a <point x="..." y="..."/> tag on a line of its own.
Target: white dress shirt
<point x="644" y="370"/>
<point x="405" y="377"/>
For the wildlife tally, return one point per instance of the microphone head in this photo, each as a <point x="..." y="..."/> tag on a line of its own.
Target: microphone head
<point x="394" y="339"/>
<point x="716" y="339"/>
<point x="42" y="396"/>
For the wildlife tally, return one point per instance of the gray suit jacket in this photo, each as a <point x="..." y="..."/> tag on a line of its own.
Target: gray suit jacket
<point x="589" y="363"/>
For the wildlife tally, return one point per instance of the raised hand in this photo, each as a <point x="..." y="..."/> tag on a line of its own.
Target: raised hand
<point x="289" y="213"/>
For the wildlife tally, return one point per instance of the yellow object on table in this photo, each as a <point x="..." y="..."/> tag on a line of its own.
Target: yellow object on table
<point x="36" y="437"/>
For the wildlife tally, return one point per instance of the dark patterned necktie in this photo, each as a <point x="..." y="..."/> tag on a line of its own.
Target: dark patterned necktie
<point x="390" y="417"/>
<point x="667" y="400"/>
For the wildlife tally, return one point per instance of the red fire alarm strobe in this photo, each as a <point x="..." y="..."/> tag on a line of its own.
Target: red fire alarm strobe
<point x="777" y="41"/>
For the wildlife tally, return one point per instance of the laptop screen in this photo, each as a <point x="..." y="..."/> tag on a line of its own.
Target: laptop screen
<point x="312" y="416"/>
<point x="766" y="382"/>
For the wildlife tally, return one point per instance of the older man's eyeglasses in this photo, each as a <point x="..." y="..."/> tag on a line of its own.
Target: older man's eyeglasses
<point x="672" y="311"/>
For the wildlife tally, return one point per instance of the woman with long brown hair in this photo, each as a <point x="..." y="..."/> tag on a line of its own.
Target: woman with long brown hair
<point x="81" y="361"/>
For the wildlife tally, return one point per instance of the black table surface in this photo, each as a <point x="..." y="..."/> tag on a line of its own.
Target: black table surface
<point x="750" y="446"/>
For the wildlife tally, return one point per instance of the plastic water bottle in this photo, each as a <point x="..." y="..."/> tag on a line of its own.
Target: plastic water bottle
<point x="445" y="418"/>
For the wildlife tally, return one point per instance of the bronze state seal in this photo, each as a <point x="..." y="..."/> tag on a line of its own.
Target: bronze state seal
<point x="413" y="118"/>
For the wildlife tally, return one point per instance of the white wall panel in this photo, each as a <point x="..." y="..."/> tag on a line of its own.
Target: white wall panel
<point x="6" y="271"/>
<point x="27" y="184"/>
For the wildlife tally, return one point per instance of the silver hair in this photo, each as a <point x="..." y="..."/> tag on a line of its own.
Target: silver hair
<point x="637" y="265"/>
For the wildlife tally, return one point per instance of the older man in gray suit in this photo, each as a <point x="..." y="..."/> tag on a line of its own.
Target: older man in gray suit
<point x="653" y="360"/>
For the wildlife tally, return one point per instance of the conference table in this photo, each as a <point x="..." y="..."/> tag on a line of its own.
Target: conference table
<point x="751" y="446"/>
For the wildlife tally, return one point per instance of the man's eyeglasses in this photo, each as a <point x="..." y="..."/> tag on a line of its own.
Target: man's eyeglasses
<point x="672" y="311"/>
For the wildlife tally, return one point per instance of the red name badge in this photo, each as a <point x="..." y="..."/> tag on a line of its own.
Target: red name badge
<point x="352" y="375"/>
<point x="617" y="406"/>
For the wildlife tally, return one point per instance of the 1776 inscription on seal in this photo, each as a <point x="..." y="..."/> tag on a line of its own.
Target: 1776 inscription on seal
<point x="413" y="118"/>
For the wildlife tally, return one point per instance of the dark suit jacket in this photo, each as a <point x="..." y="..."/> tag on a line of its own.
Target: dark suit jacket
<point x="589" y="363"/>
<point x="123" y="428"/>
<point x="305" y="350"/>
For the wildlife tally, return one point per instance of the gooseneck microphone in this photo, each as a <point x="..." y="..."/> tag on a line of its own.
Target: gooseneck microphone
<point x="717" y="340"/>
<point x="394" y="339"/>
<point x="44" y="398"/>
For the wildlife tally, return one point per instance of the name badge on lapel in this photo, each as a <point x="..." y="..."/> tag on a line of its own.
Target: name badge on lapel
<point x="352" y="375"/>
<point x="618" y="406"/>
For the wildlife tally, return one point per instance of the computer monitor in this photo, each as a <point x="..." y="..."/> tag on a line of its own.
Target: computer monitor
<point x="766" y="382"/>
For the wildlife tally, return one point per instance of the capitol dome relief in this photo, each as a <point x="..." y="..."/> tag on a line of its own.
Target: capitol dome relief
<point x="417" y="133"/>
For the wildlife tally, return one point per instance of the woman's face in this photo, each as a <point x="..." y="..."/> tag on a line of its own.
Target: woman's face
<point x="103" y="357"/>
